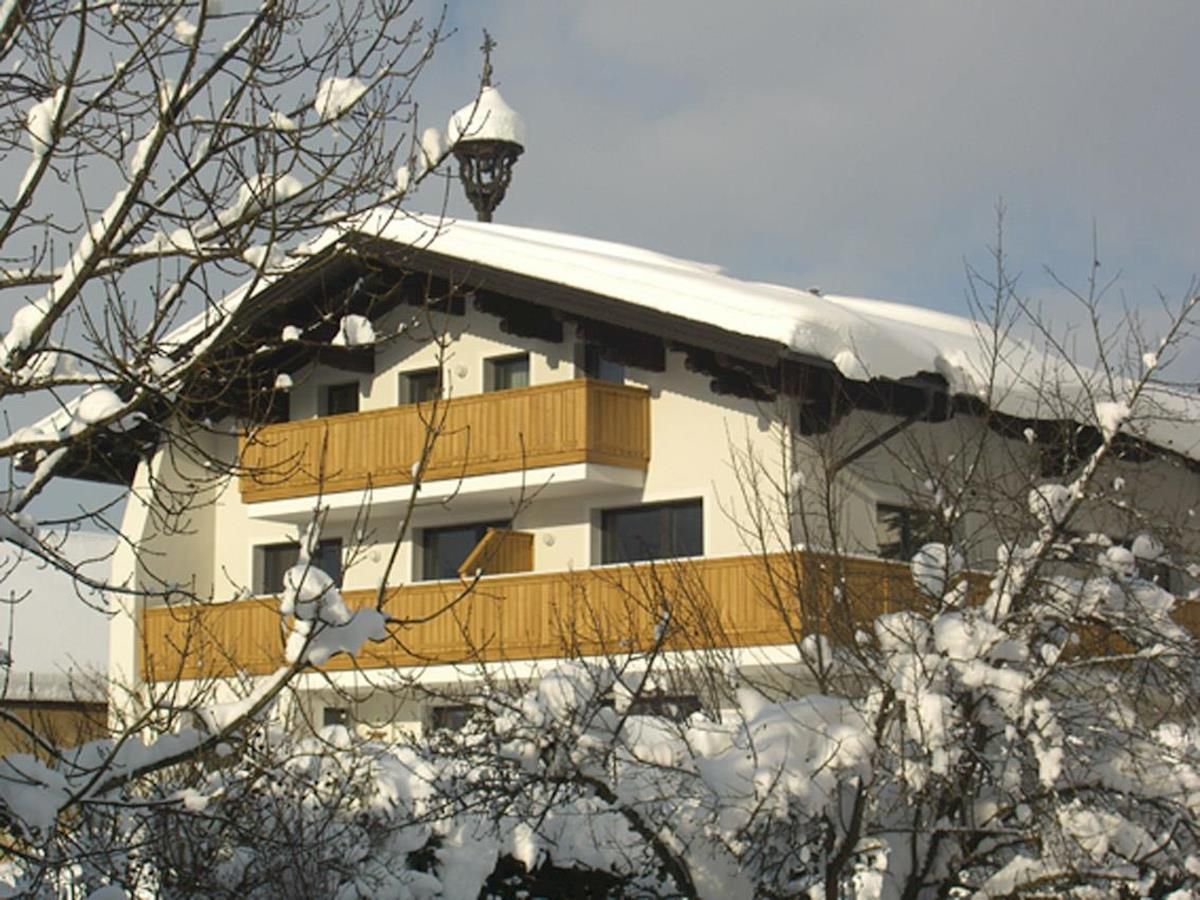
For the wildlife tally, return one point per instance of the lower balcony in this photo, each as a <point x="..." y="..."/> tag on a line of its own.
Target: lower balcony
<point x="600" y="429"/>
<point x="732" y="602"/>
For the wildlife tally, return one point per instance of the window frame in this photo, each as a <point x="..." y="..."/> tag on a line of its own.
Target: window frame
<point x="424" y="550"/>
<point x="261" y="552"/>
<point x="611" y="552"/>
<point x="910" y="530"/>
<point x="449" y="718"/>
<point x="325" y="397"/>
<point x="335" y="715"/>
<point x="675" y="707"/>
<point x="409" y="381"/>
<point x="496" y="364"/>
<point x="1160" y="570"/>
<point x="592" y="365"/>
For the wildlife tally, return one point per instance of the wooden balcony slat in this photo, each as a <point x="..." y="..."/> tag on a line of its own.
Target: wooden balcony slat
<point x="726" y="602"/>
<point x="505" y="431"/>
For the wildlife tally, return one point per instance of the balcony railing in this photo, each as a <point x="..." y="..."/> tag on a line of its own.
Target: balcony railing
<point x="505" y="431"/>
<point x="713" y="603"/>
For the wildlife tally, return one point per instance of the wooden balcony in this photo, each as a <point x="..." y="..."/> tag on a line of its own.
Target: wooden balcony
<point x="580" y="421"/>
<point x="728" y="602"/>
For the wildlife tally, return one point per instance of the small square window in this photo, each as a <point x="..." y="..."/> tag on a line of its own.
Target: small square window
<point x="658" y="531"/>
<point x="676" y="707"/>
<point x="507" y="372"/>
<point x="901" y="531"/>
<point x="450" y="718"/>
<point x="423" y="386"/>
<point x="596" y="366"/>
<point x="272" y="560"/>
<point x="337" y="399"/>
<point x="443" y="550"/>
<point x="335" y="715"/>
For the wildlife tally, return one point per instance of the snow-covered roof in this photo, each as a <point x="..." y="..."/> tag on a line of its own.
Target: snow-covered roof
<point x="487" y="118"/>
<point x="862" y="338"/>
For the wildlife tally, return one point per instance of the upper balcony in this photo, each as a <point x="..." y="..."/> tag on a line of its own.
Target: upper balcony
<point x="599" y="429"/>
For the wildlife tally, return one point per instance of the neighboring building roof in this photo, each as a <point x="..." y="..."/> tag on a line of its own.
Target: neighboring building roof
<point x="864" y="339"/>
<point x="82" y="686"/>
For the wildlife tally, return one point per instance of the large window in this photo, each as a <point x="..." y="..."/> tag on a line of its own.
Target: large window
<point x="660" y="531"/>
<point x="507" y="372"/>
<point x="900" y="531"/>
<point x="421" y="387"/>
<point x="595" y="366"/>
<point x="336" y="399"/>
<point x="272" y="560"/>
<point x="443" y="550"/>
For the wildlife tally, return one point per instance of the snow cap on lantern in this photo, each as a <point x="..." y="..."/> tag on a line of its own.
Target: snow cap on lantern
<point x="486" y="136"/>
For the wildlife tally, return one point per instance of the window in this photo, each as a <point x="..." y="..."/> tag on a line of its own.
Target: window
<point x="507" y="372"/>
<point x="337" y="399"/>
<point x="676" y="707"/>
<point x="279" y="408"/>
<point x="450" y="718"/>
<point x="443" y="550"/>
<point x="272" y="560"/>
<point x="597" y="367"/>
<point x="421" y="387"/>
<point x="335" y="715"/>
<point x="1150" y="557"/>
<point x="662" y="531"/>
<point x="901" y="531"/>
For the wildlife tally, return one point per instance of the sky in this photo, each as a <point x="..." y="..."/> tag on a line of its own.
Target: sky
<point x="49" y="623"/>
<point x="861" y="147"/>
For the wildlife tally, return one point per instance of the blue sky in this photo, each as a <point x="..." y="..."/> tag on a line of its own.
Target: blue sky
<point x="859" y="146"/>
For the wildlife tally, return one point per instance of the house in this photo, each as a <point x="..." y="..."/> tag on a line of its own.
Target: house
<point x="602" y="413"/>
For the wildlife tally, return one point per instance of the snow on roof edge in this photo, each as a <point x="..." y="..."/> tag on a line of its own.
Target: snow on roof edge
<point x="863" y="338"/>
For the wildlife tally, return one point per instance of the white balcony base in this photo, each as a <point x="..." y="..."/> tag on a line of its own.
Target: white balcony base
<point x="503" y="489"/>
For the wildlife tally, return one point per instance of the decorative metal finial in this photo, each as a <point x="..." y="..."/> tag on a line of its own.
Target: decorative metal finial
<point x="486" y="136"/>
<point x="487" y="47"/>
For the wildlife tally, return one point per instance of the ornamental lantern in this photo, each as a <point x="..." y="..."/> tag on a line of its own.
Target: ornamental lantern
<point x="486" y="137"/>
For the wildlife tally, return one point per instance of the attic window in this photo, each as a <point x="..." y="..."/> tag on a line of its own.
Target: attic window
<point x="507" y="372"/>
<point x="337" y="399"/>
